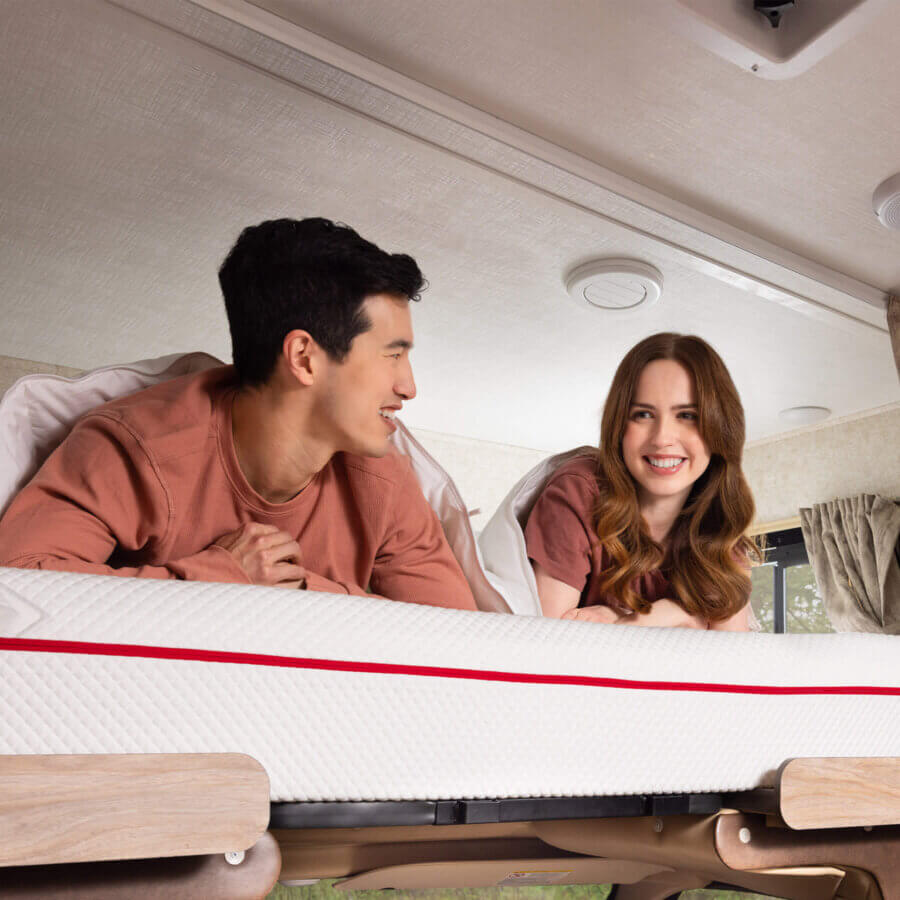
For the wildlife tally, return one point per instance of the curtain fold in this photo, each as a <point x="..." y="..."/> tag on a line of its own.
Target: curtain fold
<point x="853" y="549"/>
<point x="893" y="318"/>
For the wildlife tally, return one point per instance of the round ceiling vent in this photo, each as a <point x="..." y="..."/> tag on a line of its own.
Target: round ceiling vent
<point x="886" y="202"/>
<point x="804" y="415"/>
<point x="616" y="286"/>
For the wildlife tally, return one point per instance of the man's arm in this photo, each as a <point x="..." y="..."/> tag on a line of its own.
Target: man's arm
<point x="415" y="562"/>
<point x="99" y="492"/>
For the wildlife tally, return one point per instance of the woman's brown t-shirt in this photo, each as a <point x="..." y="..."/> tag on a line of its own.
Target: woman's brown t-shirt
<point x="559" y="536"/>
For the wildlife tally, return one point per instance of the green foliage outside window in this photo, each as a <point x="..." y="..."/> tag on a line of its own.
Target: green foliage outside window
<point x="323" y="890"/>
<point x="805" y="607"/>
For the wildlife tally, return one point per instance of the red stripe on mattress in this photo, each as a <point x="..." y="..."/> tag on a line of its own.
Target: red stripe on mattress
<point x="87" y="648"/>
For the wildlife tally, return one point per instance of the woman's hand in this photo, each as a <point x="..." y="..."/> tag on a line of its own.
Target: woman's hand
<point x="664" y="614"/>
<point x="602" y="614"/>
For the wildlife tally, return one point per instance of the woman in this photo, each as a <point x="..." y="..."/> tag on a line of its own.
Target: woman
<point x="651" y="528"/>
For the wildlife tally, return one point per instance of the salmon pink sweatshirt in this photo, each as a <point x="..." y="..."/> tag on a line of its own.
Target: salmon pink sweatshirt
<point x="144" y="486"/>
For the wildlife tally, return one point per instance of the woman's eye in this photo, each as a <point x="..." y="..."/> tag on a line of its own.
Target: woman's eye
<point x="690" y="416"/>
<point x="640" y="414"/>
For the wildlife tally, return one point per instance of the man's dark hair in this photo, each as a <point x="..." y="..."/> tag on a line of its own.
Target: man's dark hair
<point x="310" y="274"/>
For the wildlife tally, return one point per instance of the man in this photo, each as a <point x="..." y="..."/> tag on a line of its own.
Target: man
<point x="276" y="471"/>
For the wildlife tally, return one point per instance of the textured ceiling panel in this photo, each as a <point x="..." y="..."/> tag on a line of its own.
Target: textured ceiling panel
<point x="795" y="161"/>
<point x="132" y="156"/>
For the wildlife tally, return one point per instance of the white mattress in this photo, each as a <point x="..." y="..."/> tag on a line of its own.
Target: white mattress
<point x="345" y="698"/>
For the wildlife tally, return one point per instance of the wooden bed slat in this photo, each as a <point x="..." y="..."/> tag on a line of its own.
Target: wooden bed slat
<point x="840" y="792"/>
<point x="73" y="808"/>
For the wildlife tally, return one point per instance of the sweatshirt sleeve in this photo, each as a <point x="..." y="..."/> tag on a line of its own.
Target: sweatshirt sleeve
<point x="99" y="493"/>
<point x="415" y="562"/>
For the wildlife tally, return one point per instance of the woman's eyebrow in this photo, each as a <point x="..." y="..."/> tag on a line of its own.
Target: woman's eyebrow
<point x="677" y="406"/>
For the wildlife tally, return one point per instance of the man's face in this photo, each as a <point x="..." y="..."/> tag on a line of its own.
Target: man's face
<point x="360" y="395"/>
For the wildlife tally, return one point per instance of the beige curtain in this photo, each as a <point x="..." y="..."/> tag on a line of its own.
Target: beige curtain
<point x="853" y="549"/>
<point x="893" y="317"/>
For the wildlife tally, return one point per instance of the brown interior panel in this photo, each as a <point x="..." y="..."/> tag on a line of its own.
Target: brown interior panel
<point x="502" y="872"/>
<point x="185" y="877"/>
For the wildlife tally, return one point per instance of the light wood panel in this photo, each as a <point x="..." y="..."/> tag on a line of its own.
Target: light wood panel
<point x="56" y="809"/>
<point x="840" y="793"/>
<point x="778" y="525"/>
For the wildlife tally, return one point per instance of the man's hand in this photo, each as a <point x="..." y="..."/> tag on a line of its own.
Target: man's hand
<point x="664" y="614"/>
<point x="602" y="614"/>
<point x="268" y="556"/>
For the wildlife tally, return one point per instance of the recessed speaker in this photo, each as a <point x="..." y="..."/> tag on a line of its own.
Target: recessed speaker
<point x="886" y="202"/>
<point x="615" y="286"/>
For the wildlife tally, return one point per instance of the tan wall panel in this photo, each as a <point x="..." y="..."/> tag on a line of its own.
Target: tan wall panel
<point x="482" y="470"/>
<point x="849" y="457"/>
<point x="12" y="369"/>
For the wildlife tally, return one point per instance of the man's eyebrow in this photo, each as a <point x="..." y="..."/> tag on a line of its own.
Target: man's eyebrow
<point x="399" y="344"/>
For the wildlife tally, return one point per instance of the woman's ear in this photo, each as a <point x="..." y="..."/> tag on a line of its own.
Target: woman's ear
<point x="300" y="354"/>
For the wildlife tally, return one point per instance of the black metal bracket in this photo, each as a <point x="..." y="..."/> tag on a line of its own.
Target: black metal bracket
<point x="470" y="812"/>
<point x="773" y="10"/>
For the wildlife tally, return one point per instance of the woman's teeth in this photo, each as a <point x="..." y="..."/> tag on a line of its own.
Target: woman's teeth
<point x="665" y="463"/>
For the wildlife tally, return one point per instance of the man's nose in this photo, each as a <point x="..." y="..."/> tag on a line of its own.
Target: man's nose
<point x="405" y="386"/>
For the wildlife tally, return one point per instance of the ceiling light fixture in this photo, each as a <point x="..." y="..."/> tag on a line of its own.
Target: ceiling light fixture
<point x="886" y="202"/>
<point x="615" y="286"/>
<point x="804" y="415"/>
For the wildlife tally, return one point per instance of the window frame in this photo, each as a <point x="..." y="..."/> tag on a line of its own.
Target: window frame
<point x="784" y="549"/>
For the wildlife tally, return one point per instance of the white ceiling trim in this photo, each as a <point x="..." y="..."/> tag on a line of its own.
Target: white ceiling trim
<point x="682" y="233"/>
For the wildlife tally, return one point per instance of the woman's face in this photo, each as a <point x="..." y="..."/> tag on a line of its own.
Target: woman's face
<point x="662" y="446"/>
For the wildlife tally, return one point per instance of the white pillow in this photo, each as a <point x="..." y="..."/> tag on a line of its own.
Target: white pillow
<point x="445" y="499"/>
<point x="502" y="542"/>
<point x="38" y="411"/>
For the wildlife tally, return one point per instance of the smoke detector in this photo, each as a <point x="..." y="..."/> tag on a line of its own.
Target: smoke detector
<point x="886" y="202"/>
<point x="615" y="286"/>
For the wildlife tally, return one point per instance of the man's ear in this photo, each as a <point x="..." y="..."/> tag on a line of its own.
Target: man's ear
<point x="301" y="355"/>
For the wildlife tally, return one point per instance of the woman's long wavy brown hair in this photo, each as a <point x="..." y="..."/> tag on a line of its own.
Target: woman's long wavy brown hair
<point x="706" y="547"/>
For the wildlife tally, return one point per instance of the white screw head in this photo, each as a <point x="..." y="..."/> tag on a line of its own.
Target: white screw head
<point x="744" y="836"/>
<point x="234" y="857"/>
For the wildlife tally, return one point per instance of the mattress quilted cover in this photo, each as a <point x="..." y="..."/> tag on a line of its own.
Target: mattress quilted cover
<point x="346" y="698"/>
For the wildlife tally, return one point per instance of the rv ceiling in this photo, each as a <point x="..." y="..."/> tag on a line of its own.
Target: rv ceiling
<point x="502" y="144"/>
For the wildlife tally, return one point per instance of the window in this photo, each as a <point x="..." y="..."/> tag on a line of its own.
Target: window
<point x="784" y="594"/>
